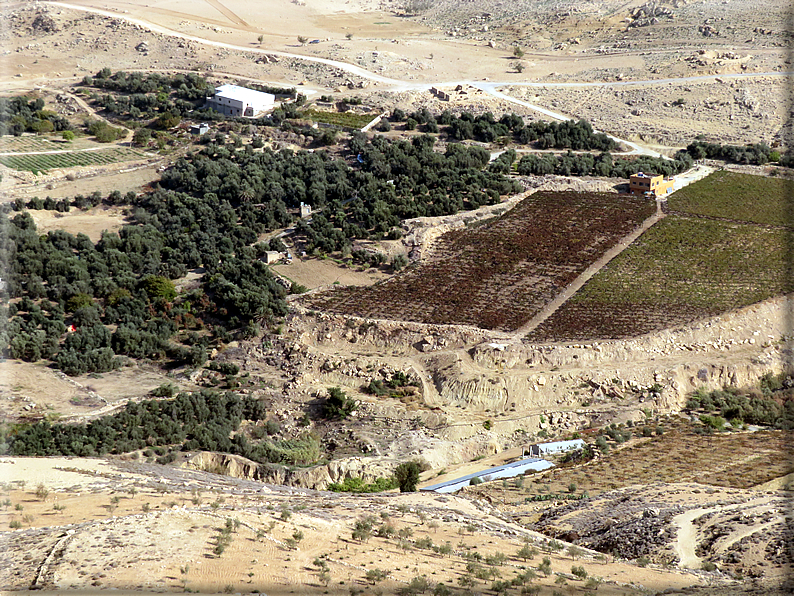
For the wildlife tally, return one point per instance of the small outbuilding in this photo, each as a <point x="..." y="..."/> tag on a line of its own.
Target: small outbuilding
<point x="199" y="129"/>
<point x="273" y="256"/>
<point x="233" y="100"/>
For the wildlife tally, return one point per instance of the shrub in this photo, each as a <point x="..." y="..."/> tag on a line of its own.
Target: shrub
<point x="338" y="404"/>
<point x="362" y="530"/>
<point x="407" y="475"/>
<point x="42" y="492"/>
<point x="165" y="390"/>
<point x="579" y="571"/>
<point x="157" y="286"/>
<point x="714" y="422"/>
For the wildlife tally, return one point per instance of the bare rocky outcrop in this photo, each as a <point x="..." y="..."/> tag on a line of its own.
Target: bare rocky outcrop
<point x="44" y="23"/>
<point x="316" y="477"/>
<point x="433" y="452"/>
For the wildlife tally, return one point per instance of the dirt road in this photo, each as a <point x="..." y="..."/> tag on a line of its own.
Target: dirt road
<point x="685" y="546"/>
<point x="687" y="539"/>
<point x="585" y="276"/>
<point x="392" y="84"/>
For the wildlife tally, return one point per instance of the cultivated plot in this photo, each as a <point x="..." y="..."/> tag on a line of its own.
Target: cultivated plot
<point x="50" y="161"/>
<point x="499" y="275"/>
<point x="680" y="270"/>
<point x="744" y="197"/>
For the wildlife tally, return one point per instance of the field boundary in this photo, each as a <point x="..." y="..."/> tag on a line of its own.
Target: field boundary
<point x="587" y="274"/>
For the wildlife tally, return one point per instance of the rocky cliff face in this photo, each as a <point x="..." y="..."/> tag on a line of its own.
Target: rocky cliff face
<point x="434" y="452"/>
<point x="316" y="477"/>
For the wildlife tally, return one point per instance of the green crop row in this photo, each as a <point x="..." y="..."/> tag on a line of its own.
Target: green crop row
<point x="49" y="161"/>
<point x="680" y="270"/>
<point x="745" y="197"/>
<point x="346" y="119"/>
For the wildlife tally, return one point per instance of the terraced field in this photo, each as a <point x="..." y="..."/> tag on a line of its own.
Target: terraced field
<point x="501" y="274"/>
<point x="48" y="161"/>
<point x="731" y="460"/>
<point x="10" y="144"/>
<point x="680" y="270"/>
<point x="744" y="197"/>
<point x="346" y="119"/>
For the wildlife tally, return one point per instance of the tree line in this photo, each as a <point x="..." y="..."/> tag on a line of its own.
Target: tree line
<point x="604" y="164"/>
<point x="201" y="421"/>
<point x="569" y="134"/>
<point x="756" y="154"/>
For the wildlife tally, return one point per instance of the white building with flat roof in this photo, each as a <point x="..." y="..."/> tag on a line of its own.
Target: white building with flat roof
<point x="240" y="101"/>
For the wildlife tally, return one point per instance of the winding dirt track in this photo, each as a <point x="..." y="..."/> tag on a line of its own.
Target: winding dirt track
<point x="397" y="85"/>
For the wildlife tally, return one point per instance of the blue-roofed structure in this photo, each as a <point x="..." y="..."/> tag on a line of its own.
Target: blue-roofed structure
<point x="555" y="447"/>
<point x="510" y="470"/>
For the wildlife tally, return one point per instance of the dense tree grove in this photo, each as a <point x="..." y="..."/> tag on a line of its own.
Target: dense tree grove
<point x="124" y="280"/>
<point x="275" y="90"/>
<point x="21" y="114"/>
<point x="757" y="154"/>
<point x="569" y="134"/>
<point x="201" y="421"/>
<point x="604" y="164"/>
<point x="392" y="181"/>
<point x="142" y="95"/>
<point x="209" y="211"/>
<point x="186" y="86"/>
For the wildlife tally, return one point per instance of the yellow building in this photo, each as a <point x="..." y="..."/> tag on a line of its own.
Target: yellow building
<point x="640" y="183"/>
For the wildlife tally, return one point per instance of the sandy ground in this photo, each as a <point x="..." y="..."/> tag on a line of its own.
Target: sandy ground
<point x="53" y="473"/>
<point x="91" y="223"/>
<point x="114" y="543"/>
<point x="390" y="45"/>
<point x="104" y="182"/>
<point x="34" y="389"/>
<point x="314" y="273"/>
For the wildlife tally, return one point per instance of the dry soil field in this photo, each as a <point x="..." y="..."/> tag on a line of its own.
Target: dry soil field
<point x="144" y="528"/>
<point x="499" y="274"/>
